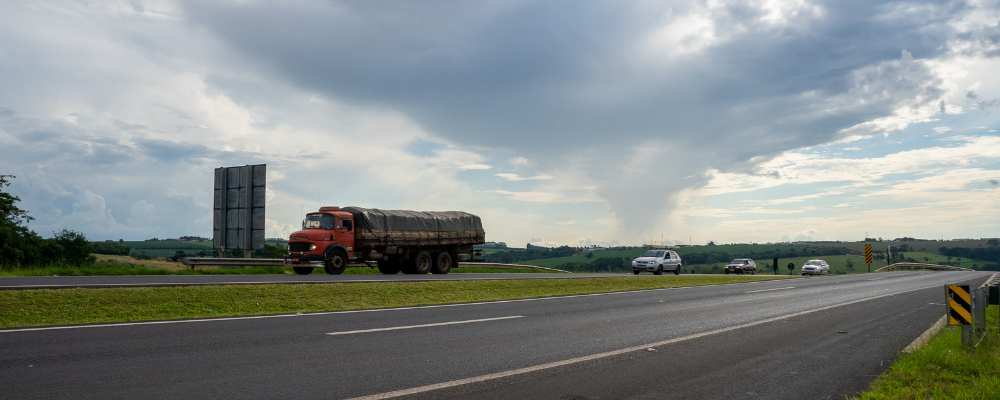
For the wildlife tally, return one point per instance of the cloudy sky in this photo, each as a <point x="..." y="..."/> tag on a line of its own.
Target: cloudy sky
<point x="558" y="122"/>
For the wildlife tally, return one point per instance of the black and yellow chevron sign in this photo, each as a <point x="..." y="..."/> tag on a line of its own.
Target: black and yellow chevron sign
<point x="868" y="254"/>
<point x="959" y="305"/>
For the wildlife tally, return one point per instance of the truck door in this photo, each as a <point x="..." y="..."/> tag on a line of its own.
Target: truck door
<point x="345" y="234"/>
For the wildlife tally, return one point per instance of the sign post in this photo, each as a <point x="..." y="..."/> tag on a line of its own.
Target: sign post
<point x="868" y="256"/>
<point x="791" y="267"/>
<point x="775" y="265"/>
<point x="959" y="311"/>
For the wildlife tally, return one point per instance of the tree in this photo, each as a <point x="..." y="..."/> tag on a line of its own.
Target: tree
<point x="850" y="264"/>
<point x="75" y="247"/>
<point x="18" y="244"/>
<point x="589" y="255"/>
<point x="993" y="242"/>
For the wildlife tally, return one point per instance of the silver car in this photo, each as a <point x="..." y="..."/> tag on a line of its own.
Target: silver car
<point x="815" y="267"/>
<point x="657" y="261"/>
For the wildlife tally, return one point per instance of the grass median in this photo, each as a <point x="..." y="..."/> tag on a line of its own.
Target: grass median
<point x="38" y="307"/>
<point x="942" y="369"/>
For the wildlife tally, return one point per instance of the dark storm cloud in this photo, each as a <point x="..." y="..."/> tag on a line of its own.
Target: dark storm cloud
<point x="560" y="79"/>
<point x="515" y="72"/>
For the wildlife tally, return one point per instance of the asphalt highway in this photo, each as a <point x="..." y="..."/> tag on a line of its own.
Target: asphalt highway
<point x="821" y="337"/>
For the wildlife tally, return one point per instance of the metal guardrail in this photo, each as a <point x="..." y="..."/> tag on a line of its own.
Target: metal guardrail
<point x="232" y="262"/>
<point x="908" y="266"/>
<point x="261" y="262"/>
<point x="506" y="266"/>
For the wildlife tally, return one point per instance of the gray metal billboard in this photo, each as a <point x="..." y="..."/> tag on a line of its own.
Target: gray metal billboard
<point x="239" y="207"/>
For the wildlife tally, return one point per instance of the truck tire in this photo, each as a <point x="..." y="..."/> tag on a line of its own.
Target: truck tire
<point x="336" y="263"/>
<point x="442" y="263"/>
<point x="390" y="267"/>
<point x="302" y="270"/>
<point x="659" y="271"/>
<point x="421" y="264"/>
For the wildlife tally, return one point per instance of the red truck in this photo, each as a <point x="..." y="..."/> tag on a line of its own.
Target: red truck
<point x="412" y="242"/>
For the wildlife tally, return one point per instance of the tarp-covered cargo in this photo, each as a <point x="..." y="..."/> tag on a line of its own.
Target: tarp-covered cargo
<point x="412" y="227"/>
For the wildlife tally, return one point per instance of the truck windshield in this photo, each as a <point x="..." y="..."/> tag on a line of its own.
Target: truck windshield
<point x="318" y="221"/>
<point x="653" y="253"/>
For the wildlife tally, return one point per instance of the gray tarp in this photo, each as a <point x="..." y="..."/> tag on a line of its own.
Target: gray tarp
<point x="372" y="223"/>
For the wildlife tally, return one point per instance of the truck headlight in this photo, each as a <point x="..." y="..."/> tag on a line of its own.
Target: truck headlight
<point x="312" y="247"/>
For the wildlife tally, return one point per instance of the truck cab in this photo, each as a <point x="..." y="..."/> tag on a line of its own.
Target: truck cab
<point x="657" y="261"/>
<point x="326" y="240"/>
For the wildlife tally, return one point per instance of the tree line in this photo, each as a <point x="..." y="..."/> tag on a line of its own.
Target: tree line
<point x="22" y="247"/>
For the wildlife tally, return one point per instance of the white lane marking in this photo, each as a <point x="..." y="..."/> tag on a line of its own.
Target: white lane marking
<point x="875" y="279"/>
<point x="424" y="325"/>
<point x="768" y="290"/>
<point x="519" y="371"/>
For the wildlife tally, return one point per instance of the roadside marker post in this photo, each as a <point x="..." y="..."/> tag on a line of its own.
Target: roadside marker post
<point x="959" y="311"/>
<point x="868" y="256"/>
<point x="775" y="265"/>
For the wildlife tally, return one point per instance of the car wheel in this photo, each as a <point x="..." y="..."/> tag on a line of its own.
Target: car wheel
<point x="678" y="270"/>
<point x="659" y="271"/>
<point x="303" y="270"/>
<point x="754" y="272"/>
<point x="442" y="263"/>
<point x="635" y="271"/>
<point x="727" y="272"/>
<point x="336" y="263"/>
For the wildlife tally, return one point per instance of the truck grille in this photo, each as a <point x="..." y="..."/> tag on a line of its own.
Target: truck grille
<point x="295" y="247"/>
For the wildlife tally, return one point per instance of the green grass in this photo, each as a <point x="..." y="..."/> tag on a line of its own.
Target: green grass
<point x="20" y="308"/>
<point x="944" y="370"/>
<point x="123" y="268"/>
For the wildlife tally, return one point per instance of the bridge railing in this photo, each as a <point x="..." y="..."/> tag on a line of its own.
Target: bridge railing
<point x="910" y="266"/>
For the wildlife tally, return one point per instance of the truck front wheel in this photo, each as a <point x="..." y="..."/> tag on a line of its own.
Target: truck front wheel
<point x="442" y="263"/>
<point x="336" y="263"/>
<point x="421" y="264"/>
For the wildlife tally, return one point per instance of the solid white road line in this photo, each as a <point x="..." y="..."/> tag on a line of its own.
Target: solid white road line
<point x="424" y="325"/>
<point x="482" y="378"/>
<point x="769" y="290"/>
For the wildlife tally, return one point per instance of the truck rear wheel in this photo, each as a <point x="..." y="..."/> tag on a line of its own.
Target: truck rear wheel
<point x="336" y="263"/>
<point x="421" y="264"/>
<point x="390" y="267"/>
<point x="442" y="263"/>
<point x="302" y="270"/>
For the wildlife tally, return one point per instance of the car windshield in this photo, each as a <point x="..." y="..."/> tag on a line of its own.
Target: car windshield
<point x="739" y="261"/>
<point x="653" y="253"/>
<point x="814" y="262"/>
<point x="318" y="221"/>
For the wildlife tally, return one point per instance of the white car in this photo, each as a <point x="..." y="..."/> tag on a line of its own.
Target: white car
<point x="741" y="266"/>
<point x="815" y="267"/>
<point x="657" y="261"/>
